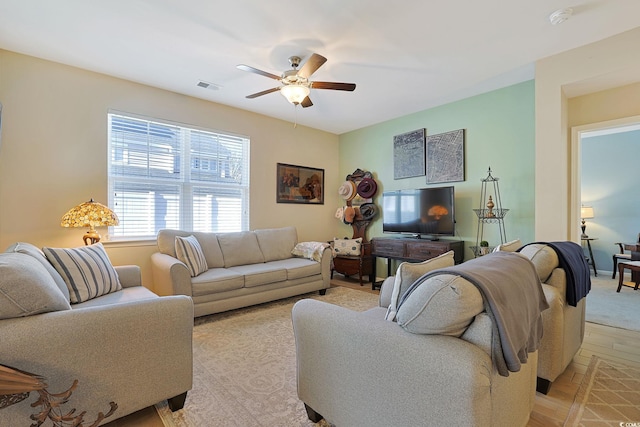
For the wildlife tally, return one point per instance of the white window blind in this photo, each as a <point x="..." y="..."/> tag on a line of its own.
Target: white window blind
<point x="166" y="175"/>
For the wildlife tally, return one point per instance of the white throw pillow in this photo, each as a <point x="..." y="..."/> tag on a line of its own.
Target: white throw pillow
<point x="87" y="271"/>
<point x="189" y="251"/>
<point x="347" y="247"/>
<point x="442" y="305"/>
<point x="511" y="246"/>
<point x="408" y="272"/>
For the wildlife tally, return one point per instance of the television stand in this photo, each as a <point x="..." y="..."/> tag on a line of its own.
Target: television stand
<point x="415" y="250"/>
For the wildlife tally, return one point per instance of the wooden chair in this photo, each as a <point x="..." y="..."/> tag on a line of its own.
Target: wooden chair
<point x="620" y="256"/>
<point x="349" y="265"/>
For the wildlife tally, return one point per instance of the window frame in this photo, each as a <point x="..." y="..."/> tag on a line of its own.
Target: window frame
<point x="186" y="182"/>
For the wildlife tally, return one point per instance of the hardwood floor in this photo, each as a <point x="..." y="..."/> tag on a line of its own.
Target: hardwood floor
<point x="615" y="344"/>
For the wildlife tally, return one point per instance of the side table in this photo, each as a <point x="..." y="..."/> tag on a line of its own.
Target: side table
<point x="591" y="260"/>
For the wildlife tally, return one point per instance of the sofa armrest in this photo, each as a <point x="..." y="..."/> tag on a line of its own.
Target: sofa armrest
<point x="325" y="262"/>
<point x="338" y="350"/>
<point x="170" y="275"/>
<point x="558" y="280"/>
<point x="135" y="354"/>
<point x="129" y="275"/>
<point x="386" y="289"/>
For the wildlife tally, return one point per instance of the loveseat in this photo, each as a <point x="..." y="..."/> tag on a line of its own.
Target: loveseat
<point x="423" y="359"/>
<point x="241" y="268"/>
<point x="125" y="345"/>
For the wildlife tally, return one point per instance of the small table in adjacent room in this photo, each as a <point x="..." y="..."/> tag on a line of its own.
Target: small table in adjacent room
<point x="634" y="266"/>
<point x="591" y="259"/>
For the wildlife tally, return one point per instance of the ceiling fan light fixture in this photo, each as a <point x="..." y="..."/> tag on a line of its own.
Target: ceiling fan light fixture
<point x="295" y="93"/>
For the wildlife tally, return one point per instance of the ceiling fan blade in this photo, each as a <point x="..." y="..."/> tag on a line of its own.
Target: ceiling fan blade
<point x="306" y="102"/>
<point x="264" y="92"/>
<point x="334" y="85"/>
<point x="311" y="65"/>
<point x="256" y="71"/>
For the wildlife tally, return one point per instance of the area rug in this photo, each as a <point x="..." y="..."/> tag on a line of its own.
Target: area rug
<point x="245" y="365"/>
<point x="608" y="396"/>
<point x="607" y="307"/>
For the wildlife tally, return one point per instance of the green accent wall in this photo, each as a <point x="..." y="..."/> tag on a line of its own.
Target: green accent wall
<point x="499" y="133"/>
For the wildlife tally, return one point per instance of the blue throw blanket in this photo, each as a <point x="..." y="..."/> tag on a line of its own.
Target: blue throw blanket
<point x="573" y="262"/>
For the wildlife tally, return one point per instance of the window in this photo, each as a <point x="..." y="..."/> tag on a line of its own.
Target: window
<point x="167" y="175"/>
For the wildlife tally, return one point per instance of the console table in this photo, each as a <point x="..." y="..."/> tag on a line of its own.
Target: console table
<point x="411" y="249"/>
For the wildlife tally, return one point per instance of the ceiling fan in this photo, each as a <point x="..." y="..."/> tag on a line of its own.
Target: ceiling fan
<point x="295" y="83"/>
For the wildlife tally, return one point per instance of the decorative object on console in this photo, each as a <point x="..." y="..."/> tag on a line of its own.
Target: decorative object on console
<point x="409" y="154"/>
<point x="90" y="214"/>
<point x="445" y="157"/>
<point x="299" y="184"/>
<point x="492" y="213"/>
<point x="586" y="212"/>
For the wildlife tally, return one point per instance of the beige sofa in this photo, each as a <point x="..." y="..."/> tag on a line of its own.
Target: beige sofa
<point x="361" y="369"/>
<point x="244" y="268"/>
<point x="129" y="346"/>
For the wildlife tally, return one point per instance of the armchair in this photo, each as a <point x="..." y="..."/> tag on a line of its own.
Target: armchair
<point x="620" y="256"/>
<point x="129" y="346"/>
<point x="563" y="324"/>
<point x="361" y="369"/>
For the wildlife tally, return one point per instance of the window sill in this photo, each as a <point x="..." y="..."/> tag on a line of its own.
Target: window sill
<point x="129" y="243"/>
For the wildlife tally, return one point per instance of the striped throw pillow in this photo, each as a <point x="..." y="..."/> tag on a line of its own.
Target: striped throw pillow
<point x="189" y="251"/>
<point x="87" y="271"/>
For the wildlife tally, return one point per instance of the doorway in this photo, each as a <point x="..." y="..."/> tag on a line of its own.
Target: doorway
<point x="604" y="161"/>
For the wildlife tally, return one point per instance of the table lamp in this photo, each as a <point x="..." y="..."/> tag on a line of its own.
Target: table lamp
<point x="586" y="212"/>
<point x="90" y="214"/>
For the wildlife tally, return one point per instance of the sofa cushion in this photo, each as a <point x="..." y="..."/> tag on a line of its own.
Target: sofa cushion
<point x="216" y="280"/>
<point x="347" y="247"/>
<point x="543" y="257"/>
<point x="188" y="251"/>
<point x="277" y="243"/>
<point x="260" y="274"/>
<point x="86" y="270"/>
<point x="240" y="248"/>
<point x="409" y="272"/>
<point x="128" y="294"/>
<point x="27" y="288"/>
<point x="444" y="304"/>
<point x="298" y="268"/>
<point x="36" y="253"/>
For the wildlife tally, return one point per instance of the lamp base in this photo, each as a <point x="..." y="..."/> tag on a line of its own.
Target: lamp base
<point x="91" y="237"/>
<point x="583" y="227"/>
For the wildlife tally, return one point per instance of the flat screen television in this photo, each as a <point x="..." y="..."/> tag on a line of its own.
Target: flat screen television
<point x="421" y="212"/>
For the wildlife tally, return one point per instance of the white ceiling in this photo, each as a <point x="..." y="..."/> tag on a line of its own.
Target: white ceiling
<point x="404" y="56"/>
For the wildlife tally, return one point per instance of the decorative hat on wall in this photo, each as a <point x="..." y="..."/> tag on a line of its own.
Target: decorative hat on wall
<point x="367" y="188"/>
<point x="368" y="211"/>
<point x="349" y="215"/>
<point x="348" y="190"/>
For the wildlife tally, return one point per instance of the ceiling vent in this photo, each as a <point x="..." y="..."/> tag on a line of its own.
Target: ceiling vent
<point x="207" y="85"/>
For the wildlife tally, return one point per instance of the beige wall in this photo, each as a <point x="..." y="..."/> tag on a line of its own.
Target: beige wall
<point x="556" y="216"/>
<point x="53" y="153"/>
